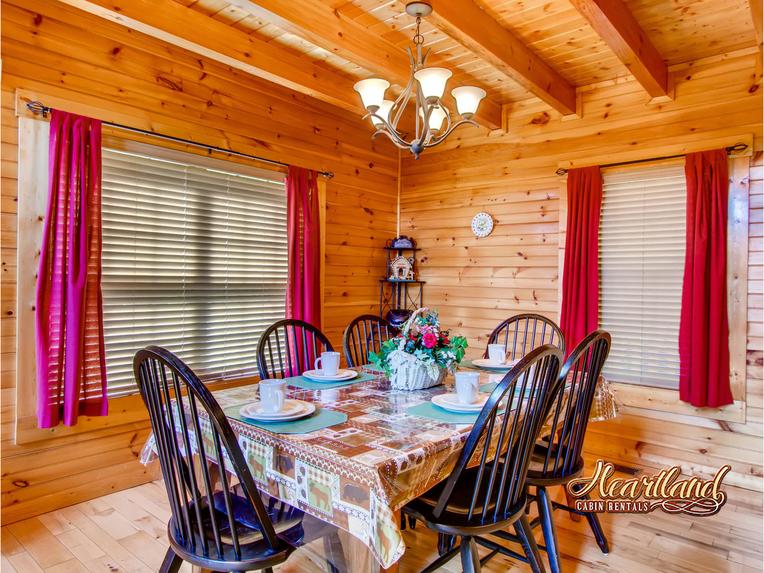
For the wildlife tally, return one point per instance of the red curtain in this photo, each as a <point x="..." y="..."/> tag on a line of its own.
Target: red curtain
<point x="580" y="279"/>
<point x="303" y="300"/>
<point x="71" y="367"/>
<point x="703" y="330"/>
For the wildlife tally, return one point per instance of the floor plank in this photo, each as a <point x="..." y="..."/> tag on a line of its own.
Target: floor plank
<point x="125" y="532"/>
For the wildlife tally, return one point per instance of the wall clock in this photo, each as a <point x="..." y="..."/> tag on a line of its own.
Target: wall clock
<point x="482" y="225"/>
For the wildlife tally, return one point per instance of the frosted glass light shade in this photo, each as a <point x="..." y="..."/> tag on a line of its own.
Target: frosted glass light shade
<point x="372" y="92"/>
<point x="437" y="115"/>
<point x="467" y="99"/>
<point x="433" y="81"/>
<point x="383" y="112"/>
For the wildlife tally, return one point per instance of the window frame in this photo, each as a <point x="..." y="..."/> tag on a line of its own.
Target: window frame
<point x="655" y="402"/>
<point x="32" y="176"/>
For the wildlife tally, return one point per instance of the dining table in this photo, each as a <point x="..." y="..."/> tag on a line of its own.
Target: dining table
<point x="385" y="448"/>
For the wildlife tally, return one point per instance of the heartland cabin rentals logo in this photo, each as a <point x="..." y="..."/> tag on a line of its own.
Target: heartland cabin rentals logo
<point x="646" y="493"/>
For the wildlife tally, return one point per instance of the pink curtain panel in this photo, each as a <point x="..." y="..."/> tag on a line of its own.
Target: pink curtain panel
<point x="71" y="367"/>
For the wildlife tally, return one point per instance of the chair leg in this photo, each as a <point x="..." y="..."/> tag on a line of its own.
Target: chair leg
<point x="525" y="533"/>
<point x="547" y="525"/>
<point x="445" y="543"/>
<point x="599" y="534"/>
<point x="171" y="562"/>
<point x="469" y="555"/>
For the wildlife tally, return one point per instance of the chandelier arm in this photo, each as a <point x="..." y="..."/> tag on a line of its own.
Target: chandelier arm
<point x="402" y="101"/>
<point x="437" y="140"/>
<point x="396" y="140"/>
<point x="448" y="114"/>
<point x="389" y="131"/>
<point x="424" y="135"/>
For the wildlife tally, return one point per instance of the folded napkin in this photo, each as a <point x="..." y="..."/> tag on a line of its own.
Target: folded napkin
<point x="320" y="419"/>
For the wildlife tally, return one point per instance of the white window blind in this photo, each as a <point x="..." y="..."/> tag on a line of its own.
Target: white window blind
<point x="642" y="246"/>
<point x="194" y="260"/>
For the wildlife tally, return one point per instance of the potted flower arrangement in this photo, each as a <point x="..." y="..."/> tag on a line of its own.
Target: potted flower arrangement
<point x="421" y="355"/>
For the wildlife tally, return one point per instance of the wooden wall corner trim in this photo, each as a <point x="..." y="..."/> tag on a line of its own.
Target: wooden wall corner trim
<point x="737" y="272"/>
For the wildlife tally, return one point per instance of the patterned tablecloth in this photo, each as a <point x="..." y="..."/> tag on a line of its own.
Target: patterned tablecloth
<point x="357" y="474"/>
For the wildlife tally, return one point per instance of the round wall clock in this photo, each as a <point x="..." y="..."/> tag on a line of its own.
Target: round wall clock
<point x="482" y="224"/>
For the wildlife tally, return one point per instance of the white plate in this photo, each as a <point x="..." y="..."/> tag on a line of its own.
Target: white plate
<point x="451" y="402"/>
<point x="341" y="375"/>
<point x="293" y="410"/>
<point x="486" y="363"/>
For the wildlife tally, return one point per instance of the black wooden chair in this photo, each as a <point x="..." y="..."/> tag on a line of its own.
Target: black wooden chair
<point x="487" y="492"/>
<point x="227" y="528"/>
<point x="523" y="332"/>
<point x="557" y="458"/>
<point x="365" y="334"/>
<point x="289" y="347"/>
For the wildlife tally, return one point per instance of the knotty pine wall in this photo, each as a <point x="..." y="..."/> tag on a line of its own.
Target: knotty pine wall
<point x="475" y="283"/>
<point x="59" y="54"/>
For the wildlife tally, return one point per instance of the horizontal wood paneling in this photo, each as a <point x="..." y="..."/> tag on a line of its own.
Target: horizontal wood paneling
<point x="53" y="51"/>
<point x="478" y="282"/>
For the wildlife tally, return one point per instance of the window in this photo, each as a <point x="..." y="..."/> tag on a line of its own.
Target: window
<point x="642" y="245"/>
<point x="194" y="260"/>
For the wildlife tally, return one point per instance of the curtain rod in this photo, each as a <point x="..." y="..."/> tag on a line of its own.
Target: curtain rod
<point x="38" y="108"/>
<point x="730" y="149"/>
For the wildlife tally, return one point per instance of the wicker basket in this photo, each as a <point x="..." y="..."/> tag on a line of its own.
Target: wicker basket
<point x="409" y="373"/>
<point x="415" y="376"/>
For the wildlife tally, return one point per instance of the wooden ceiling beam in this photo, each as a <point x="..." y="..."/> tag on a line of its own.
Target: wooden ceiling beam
<point x="471" y="26"/>
<point x="618" y="28"/>
<point x="329" y="29"/>
<point x="757" y="15"/>
<point x="185" y="28"/>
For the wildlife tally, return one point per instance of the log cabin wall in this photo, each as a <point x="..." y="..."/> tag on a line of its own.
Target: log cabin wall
<point x="475" y="283"/>
<point x="58" y="54"/>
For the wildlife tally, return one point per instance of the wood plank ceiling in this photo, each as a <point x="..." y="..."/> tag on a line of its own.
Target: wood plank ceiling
<point x="515" y="49"/>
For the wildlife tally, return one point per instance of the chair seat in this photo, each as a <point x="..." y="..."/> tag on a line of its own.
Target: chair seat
<point x="536" y="473"/>
<point x="458" y="508"/>
<point x="287" y="522"/>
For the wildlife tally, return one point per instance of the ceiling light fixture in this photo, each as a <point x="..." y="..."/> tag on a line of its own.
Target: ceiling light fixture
<point x="426" y="86"/>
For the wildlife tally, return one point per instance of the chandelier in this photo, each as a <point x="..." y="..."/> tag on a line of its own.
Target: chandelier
<point x="433" y="121"/>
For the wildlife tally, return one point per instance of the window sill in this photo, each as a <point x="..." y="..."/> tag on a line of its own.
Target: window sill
<point x="647" y="399"/>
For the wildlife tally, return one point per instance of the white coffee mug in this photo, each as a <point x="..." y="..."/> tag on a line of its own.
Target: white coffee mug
<point x="330" y="363"/>
<point x="272" y="395"/>
<point x="497" y="353"/>
<point x="467" y="387"/>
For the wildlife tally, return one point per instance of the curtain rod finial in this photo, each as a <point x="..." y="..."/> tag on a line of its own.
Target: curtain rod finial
<point x="37" y="108"/>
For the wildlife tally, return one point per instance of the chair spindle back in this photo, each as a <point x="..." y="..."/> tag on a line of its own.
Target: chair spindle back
<point x="499" y="487"/>
<point x="289" y="347"/>
<point x="523" y="332"/>
<point x="203" y="520"/>
<point x="570" y="412"/>
<point x="365" y="334"/>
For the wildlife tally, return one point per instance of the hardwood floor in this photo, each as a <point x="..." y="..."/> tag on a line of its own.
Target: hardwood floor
<point x="125" y="531"/>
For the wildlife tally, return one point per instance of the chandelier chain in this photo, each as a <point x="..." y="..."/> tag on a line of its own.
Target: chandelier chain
<point x="418" y="38"/>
